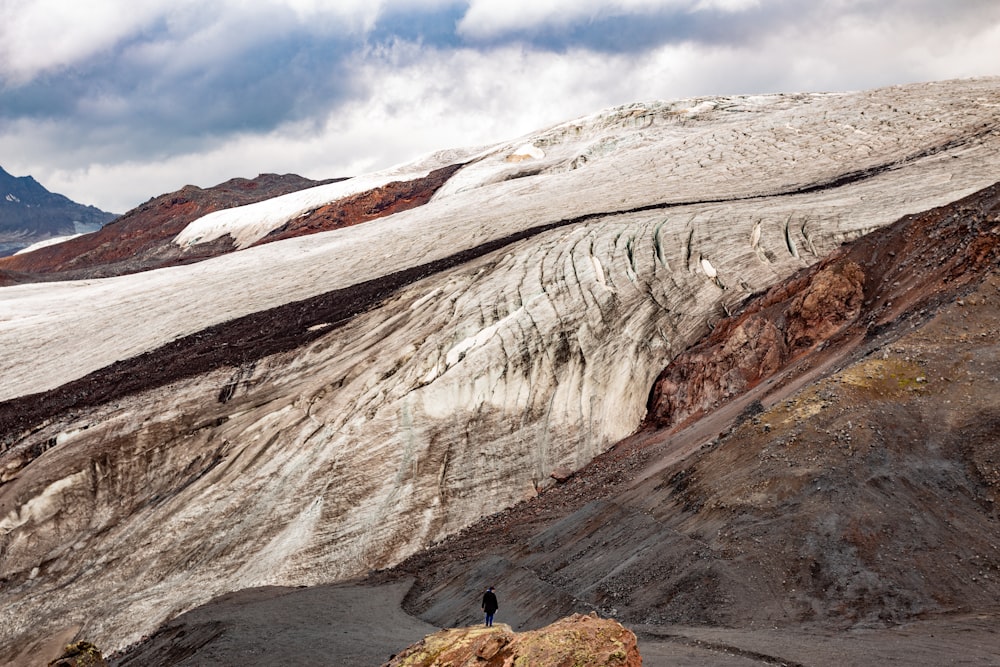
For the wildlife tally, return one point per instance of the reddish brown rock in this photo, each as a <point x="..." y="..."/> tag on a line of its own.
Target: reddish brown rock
<point x="391" y="198"/>
<point x="142" y="238"/>
<point x="744" y="350"/>
<point x="579" y="640"/>
<point x="561" y="474"/>
<point x="852" y="294"/>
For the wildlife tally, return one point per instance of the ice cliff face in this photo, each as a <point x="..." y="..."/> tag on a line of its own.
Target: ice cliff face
<point x="308" y="409"/>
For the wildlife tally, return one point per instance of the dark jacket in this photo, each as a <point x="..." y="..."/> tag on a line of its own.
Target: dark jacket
<point x="490" y="602"/>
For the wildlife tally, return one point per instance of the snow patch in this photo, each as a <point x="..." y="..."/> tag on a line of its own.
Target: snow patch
<point x="701" y="106"/>
<point x="47" y="242"/>
<point x="526" y="152"/>
<point x="252" y="222"/>
<point x="599" y="270"/>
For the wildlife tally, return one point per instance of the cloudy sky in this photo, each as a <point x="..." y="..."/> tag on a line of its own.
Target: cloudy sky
<point x="111" y="102"/>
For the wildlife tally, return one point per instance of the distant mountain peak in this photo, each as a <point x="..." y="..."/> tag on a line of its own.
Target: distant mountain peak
<point x="30" y="213"/>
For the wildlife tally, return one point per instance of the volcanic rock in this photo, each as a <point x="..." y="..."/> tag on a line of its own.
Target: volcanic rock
<point x="579" y="640"/>
<point x="836" y="298"/>
<point x="80" y="654"/>
<point x="561" y="474"/>
<point x="391" y="198"/>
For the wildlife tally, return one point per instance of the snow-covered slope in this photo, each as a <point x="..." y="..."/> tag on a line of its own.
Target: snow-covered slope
<point x="252" y="222"/>
<point x="617" y="239"/>
<point x="711" y="154"/>
<point x="46" y="243"/>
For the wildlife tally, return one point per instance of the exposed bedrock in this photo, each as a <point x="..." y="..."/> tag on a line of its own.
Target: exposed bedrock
<point x="746" y="350"/>
<point x="579" y="640"/>
<point x="830" y="302"/>
<point x="448" y="397"/>
<point x="390" y="198"/>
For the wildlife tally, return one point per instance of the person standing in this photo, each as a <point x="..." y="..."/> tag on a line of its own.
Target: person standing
<point x="490" y="605"/>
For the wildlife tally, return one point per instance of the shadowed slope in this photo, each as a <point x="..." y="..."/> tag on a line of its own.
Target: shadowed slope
<point x="30" y="213"/>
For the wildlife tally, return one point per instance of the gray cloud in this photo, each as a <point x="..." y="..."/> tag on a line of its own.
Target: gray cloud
<point x="123" y="105"/>
<point x="191" y="92"/>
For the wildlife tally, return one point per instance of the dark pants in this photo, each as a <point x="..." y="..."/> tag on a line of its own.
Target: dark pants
<point x="489" y="618"/>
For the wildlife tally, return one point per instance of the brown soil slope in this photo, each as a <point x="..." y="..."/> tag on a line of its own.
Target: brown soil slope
<point x="831" y="456"/>
<point x="391" y="198"/>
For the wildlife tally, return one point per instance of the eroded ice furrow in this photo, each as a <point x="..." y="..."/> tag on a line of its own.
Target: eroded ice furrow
<point x="620" y="182"/>
<point x="459" y="393"/>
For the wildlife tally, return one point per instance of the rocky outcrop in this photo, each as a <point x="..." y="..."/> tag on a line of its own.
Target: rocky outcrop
<point x="394" y="197"/>
<point x="742" y="351"/>
<point x="583" y="640"/>
<point x="310" y="409"/>
<point x="80" y="654"/>
<point x="830" y="302"/>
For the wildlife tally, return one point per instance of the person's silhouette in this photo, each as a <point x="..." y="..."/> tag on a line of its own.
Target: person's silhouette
<point x="490" y="605"/>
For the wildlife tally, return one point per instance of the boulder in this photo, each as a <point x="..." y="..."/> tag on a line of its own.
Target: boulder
<point x="581" y="640"/>
<point x="80" y="654"/>
<point x="561" y="474"/>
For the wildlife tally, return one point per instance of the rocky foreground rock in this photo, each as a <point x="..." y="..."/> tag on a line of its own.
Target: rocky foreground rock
<point x="579" y="640"/>
<point x="80" y="654"/>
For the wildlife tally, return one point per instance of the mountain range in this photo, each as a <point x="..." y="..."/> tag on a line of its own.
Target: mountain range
<point x="29" y="214"/>
<point x="722" y="369"/>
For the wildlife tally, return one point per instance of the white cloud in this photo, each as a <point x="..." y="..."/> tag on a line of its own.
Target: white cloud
<point x="340" y="15"/>
<point x="38" y="35"/>
<point x="487" y="18"/>
<point x="727" y="5"/>
<point x="417" y="99"/>
<point x="422" y="101"/>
